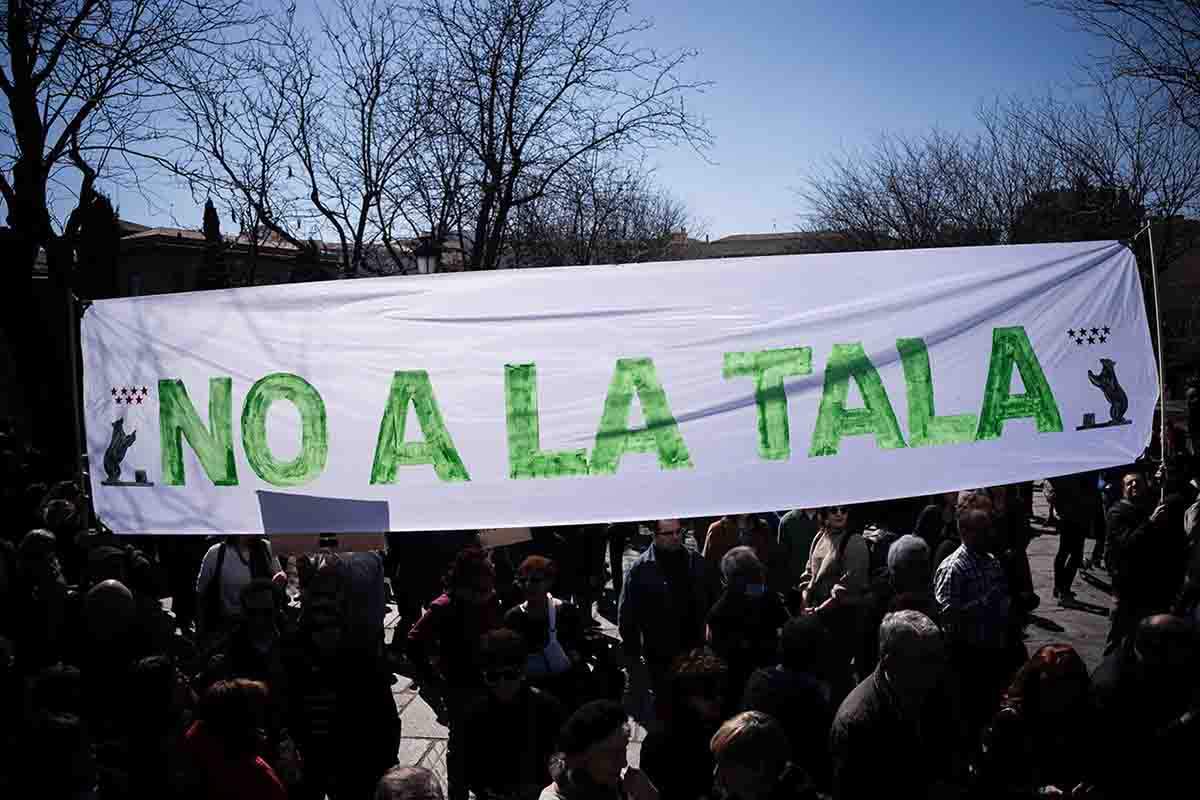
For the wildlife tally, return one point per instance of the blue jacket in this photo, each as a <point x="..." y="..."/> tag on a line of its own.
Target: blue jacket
<point x="649" y="619"/>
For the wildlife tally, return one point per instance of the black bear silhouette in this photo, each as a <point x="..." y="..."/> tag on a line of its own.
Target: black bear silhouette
<point x="1106" y="381"/>
<point x="117" y="448"/>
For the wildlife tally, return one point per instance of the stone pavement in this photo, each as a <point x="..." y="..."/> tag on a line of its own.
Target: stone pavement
<point x="424" y="741"/>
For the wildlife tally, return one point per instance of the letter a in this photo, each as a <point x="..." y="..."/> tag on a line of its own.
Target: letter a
<point x="1011" y="346"/>
<point x="661" y="434"/>
<point x="834" y="420"/>
<point x="391" y="451"/>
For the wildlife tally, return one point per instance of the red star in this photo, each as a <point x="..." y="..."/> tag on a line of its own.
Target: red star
<point x="139" y="401"/>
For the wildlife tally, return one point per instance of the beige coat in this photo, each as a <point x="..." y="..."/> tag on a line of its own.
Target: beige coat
<point x="825" y="569"/>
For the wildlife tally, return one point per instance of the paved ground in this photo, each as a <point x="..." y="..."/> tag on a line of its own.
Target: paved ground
<point x="1085" y="628"/>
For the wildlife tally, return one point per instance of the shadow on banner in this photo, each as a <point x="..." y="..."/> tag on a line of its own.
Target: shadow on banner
<point x="303" y="523"/>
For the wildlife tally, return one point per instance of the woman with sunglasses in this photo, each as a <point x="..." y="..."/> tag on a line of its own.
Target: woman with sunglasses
<point x="552" y="630"/>
<point x="510" y="730"/>
<point x="834" y="587"/>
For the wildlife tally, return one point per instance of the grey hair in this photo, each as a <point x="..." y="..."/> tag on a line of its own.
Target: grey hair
<point x="740" y="566"/>
<point x="900" y="629"/>
<point x="967" y="497"/>
<point x="908" y="559"/>
<point x="409" y="783"/>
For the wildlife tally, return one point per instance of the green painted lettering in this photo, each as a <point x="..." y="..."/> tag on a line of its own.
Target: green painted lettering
<point x="769" y="368"/>
<point x="314" y="442"/>
<point x="834" y="420"/>
<point x="177" y="419"/>
<point x="661" y="434"/>
<point x="924" y="426"/>
<point x="526" y="459"/>
<point x="392" y="452"/>
<point x="1011" y="347"/>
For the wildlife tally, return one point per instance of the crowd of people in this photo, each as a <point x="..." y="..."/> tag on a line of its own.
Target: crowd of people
<point x="873" y="650"/>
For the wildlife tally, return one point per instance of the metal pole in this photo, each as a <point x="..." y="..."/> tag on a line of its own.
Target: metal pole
<point x="1162" y="391"/>
<point x="83" y="470"/>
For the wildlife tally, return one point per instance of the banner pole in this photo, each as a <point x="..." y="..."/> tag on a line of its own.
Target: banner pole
<point x="1162" y="392"/>
<point x="80" y="465"/>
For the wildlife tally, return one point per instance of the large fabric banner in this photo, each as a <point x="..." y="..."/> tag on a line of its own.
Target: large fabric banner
<point x="587" y="394"/>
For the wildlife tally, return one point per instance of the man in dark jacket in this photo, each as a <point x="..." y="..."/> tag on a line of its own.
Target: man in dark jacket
<point x="663" y="602"/>
<point x="1145" y="555"/>
<point x="886" y="729"/>
<point x="1147" y="698"/>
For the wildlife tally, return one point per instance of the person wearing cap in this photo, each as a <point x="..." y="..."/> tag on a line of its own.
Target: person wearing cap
<point x="509" y="732"/>
<point x="592" y="762"/>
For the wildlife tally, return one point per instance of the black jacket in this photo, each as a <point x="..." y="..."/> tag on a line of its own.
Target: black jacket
<point x="1146" y="558"/>
<point x="878" y="753"/>
<point x="507" y="746"/>
<point x="801" y="704"/>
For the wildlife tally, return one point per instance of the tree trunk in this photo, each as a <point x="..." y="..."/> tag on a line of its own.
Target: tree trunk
<point x="36" y="327"/>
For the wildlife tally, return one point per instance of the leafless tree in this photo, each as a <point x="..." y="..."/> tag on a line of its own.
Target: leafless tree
<point x="597" y="212"/>
<point x="305" y="132"/>
<point x="942" y="189"/>
<point x="432" y="193"/>
<point x="927" y="191"/>
<point x="81" y="79"/>
<point x="546" y="83"/>
<point x="1154" y="42"/>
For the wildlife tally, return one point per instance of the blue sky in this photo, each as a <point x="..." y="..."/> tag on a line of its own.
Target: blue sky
<point x="798" y="82"/>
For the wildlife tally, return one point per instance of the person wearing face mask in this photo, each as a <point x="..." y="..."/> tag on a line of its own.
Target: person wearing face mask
<point x="510" y="730"/>
<point x="696" y="689"/>
<point x="751" y="752"/>
<point x="664" y="600"/>
<point x="743" y="625"/>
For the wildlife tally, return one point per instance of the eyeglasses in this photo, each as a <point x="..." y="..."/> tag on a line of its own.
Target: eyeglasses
<point x="839" y="510"/>
<point x="493" y="676"/>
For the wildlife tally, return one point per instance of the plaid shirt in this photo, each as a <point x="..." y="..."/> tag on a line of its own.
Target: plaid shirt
<point x="972" y="596"/>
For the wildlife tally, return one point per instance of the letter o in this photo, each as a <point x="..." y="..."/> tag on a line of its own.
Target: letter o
<point x="314" y="441"/>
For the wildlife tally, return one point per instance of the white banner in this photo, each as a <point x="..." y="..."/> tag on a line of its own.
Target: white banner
<point x="588" y="394"/>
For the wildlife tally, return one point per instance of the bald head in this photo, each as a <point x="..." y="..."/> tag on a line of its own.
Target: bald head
<point x="1166" y="640"/>
<point x="108" y="610"/>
